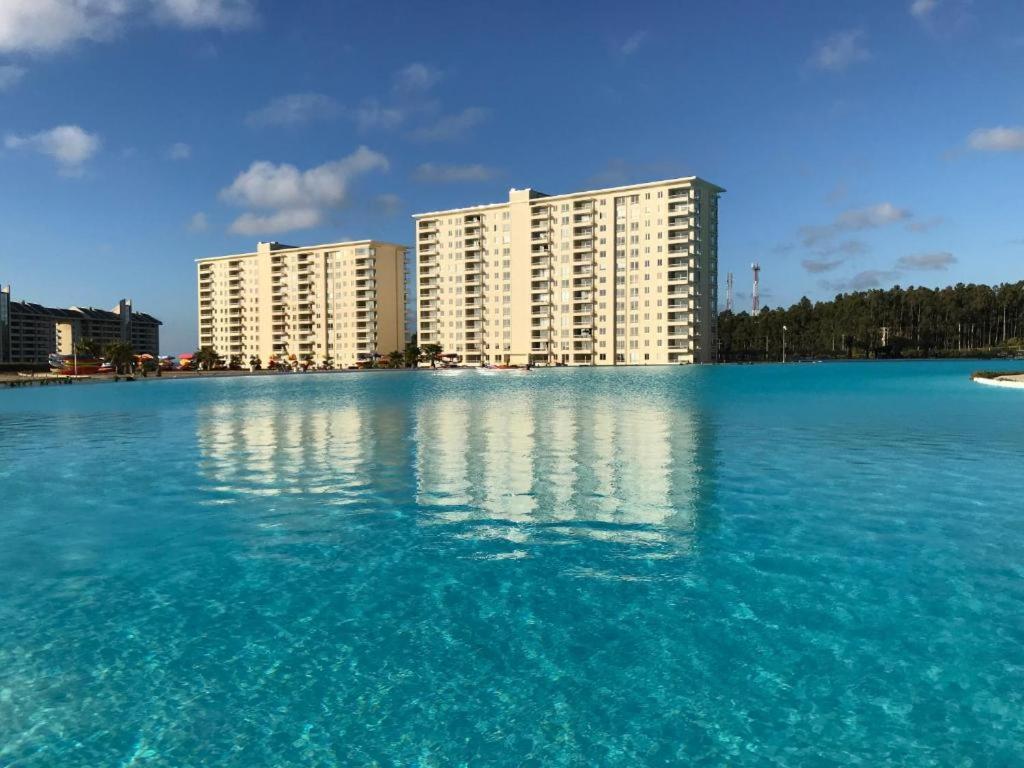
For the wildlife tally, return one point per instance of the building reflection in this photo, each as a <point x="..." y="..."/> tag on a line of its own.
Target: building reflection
<point x="524" y="464"/>
<point x="578" y="466"/>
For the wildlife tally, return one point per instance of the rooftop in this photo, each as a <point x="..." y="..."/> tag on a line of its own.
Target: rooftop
<point x="277" y="248"/>
<point x="539" y="196"/>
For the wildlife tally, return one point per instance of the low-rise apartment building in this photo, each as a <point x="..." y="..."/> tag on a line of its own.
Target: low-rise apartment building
<point x="342" y="302"/>
<point x="30" y="333"/>
<point x="619" y="276"/>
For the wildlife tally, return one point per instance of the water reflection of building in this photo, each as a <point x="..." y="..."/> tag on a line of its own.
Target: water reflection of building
<point x="583" y="466"/>
<point x="345" y="453"/>
<point x="507" y="463"/>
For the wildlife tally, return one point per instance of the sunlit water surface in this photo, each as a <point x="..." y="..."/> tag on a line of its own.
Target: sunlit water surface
<point x="801" y="565"/>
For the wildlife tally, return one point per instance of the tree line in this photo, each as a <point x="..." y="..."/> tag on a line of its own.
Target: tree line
<point x="957" y="321"/>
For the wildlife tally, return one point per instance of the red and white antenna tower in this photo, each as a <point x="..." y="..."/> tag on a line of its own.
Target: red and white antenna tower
<point x="756" y="295"/>
<point x="728" y="292"/>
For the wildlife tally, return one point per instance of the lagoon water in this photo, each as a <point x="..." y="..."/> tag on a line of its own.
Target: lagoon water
<point x="792" y="566"/>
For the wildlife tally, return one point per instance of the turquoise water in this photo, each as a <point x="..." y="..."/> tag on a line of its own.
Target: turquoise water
<point x="800" y="565"/>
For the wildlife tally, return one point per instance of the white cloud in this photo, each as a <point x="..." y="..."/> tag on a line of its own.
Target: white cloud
<point x="296" y="198"/>
<point x="37" y="26"/>
<point x="417" y="77"/>
<point x="373" y="115"/>
<point x="841" y="50"/>
<point x="388" y="203"/>
<point x="922" y="9"/>
<point x="854" y="220"/>
<point x="440" y="172"/>
<point x="279" y="221"/>
<point x="816" y="266"/>
<point x="863" y="281"/>
<point x="198" y="222"/>
<point x="294" y="109"/>
<point x="999" y="139"/>
<point x="69" y="145"/>
<point x="926" y="225"/>
<point x="219" y="14"/>
<point x="179" y="151"/>
<point x="631" y="44"/>
<point x="10" y="76"/>
<point x="451" y="127"/>
<point x="873" y="216"/>
<point x="48" y="25"/>
<point x="939" y="261"/>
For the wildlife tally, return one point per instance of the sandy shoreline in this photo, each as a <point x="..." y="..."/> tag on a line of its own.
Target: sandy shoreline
<point x="1010" y="381"/>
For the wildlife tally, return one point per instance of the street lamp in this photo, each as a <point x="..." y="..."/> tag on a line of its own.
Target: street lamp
<point x="784" y="329"/>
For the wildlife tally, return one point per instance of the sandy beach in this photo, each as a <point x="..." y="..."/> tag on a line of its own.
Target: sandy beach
<point x="1009" y="381"/>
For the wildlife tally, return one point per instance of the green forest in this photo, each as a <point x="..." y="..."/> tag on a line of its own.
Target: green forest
<point x="957" y="321"/>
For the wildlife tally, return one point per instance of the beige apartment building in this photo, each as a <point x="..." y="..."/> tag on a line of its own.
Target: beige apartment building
<point x="30" y="333"/>
<point x="343" y="302"/>
<point x="619" y="276"/>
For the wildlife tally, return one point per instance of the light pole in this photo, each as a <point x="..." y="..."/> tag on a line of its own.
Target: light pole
<point x="784" y="329"/>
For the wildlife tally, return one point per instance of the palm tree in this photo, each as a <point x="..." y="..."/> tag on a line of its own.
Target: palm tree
<point x="411" y="355"/>
<point x="88" y="348"/>
<point x="431" y="352"/>
<point x="120" y="355"/>
<point x="206" y="358"/>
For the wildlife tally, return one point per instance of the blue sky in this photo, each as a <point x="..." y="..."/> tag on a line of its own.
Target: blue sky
<point x="862" y="144"/>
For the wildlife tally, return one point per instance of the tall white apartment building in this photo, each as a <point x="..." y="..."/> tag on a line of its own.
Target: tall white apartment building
<point x="343" y="302"/>
<point x="619" y="276"/>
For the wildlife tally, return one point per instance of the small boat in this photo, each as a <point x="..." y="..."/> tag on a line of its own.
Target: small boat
<point x="74" y="365"/>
